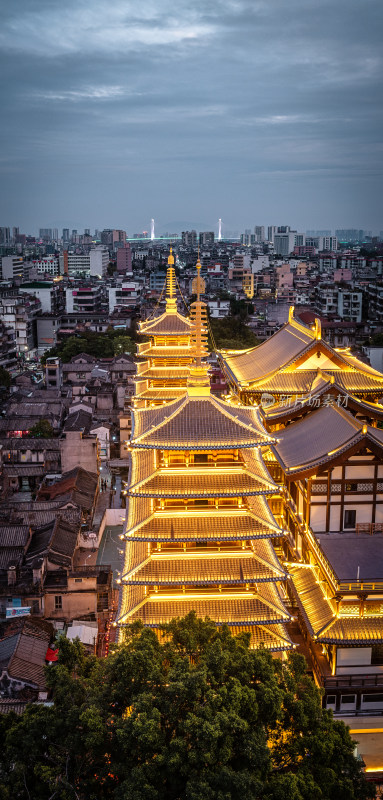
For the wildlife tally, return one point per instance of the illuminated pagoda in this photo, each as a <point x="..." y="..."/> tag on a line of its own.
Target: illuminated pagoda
<point x="287" y="366"/>
<point x="200" y="529"/>
<point x="168" y="352"/>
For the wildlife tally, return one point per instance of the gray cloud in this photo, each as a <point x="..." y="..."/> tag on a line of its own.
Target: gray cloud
<point x="257" y="112"/>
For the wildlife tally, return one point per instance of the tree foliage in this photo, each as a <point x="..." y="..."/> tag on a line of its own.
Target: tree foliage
<point x="232" y="333"/>
<point x="5" y="378"/>
<point x="101" y="345"/>
<point x="42" y="430"/>
<point x="197" y="716"/>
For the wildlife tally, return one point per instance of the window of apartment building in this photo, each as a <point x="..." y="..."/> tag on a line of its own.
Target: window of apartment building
<point x="58" y="602"/>
<point x="349" y="518"/>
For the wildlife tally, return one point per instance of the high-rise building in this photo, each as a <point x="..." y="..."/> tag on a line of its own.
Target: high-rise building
<point x="65" y="235"/>
<point x="189" y="238"/>
<point x="285" y="240"/>
<point x="83" y="265"/>
<point x="113" y="238"/>
<point x="259" y="231"/>
<point x="45" y="234"/>
<point x="351" y="235"/>
<point x="206" y="238"/>
<point x="5" y="235"/>
<point x="124" y="258"/>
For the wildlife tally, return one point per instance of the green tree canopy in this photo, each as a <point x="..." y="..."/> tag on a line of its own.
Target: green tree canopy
<point x="232" y="333"/>
<point x="105" y="345"/>
<point x="377" y="340"/>
<point x="5" y="378"/>
<point x="197" y="716"/>
<point x="42" y="430"/>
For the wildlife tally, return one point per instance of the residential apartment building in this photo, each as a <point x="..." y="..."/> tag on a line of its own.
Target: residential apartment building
<point x="12" y="268"/>
<point x="84" y="298"/>
<point x="84" y="265"/>
<point x="20" y="314"/>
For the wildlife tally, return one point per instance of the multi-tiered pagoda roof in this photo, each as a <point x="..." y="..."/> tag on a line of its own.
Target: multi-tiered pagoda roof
<point x="199" y="529"/>
<point x="167" y="352"/>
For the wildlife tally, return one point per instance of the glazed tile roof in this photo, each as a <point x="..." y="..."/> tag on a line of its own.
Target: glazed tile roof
<point x="169" y="569"/>
<point x="286" y="383"/>
<point x="354" y="630"/>
<point x="186" y="484"/>
<point x="195" y="423"/>
<point x="350" y="554"/>
<point x="256" y="465"/>
<point x="163" y="373"/>
<point x="167" y="324"/>
<point x="294" y="340"/>
<point x="358" y="381"/>
<point x="322" y="391"/>
<point x="273" y="638"/>
<point x="161" y="393"/>
<point x="215" y="527"/>
<point x="286" y="345"/>
<point x="234" y="610"/>
<point x="316" y="438"/>
<point x="183" y="351"/>
<point x="318" y="611"/>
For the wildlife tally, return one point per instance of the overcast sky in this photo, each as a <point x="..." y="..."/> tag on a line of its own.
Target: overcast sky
<point x="259" y="112"/>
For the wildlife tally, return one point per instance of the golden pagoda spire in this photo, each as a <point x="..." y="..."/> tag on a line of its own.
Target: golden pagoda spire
<point x="171" y="303"/>
<point x="198" y="382"/>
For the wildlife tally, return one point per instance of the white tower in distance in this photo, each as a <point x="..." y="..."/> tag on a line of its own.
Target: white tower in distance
<point x="152" y="229"/>
<point x="219" y="230"/>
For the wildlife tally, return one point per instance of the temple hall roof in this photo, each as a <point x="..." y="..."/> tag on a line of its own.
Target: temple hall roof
<point x="354" y="631"/>
<point x="352" y="554"/>
<point x="290" y="347"/>
<point x="270" y="356"/>
<point x="321" y="619"/>
<point x="326" y="389"/>
<point x="320" y="437"/>
<point x="318" y="611"/>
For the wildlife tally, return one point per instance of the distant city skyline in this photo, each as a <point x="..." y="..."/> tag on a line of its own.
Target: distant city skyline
<point x="261" y="113"/>
<point x="178" y="228"/>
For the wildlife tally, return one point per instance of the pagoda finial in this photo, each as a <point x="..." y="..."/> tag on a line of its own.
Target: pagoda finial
<point x="198" y="382"/>
<point x="171" y="303"/>
<point x="171" y="258"/>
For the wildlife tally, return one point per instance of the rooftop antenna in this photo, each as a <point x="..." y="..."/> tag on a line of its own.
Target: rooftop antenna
<point x="152" y="229"/>
<point x="219" y="230"/>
